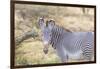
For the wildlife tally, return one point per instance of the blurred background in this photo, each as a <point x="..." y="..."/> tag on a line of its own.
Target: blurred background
<point x="28" y="43"/>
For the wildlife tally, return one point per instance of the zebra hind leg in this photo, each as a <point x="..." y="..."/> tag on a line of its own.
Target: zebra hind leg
<point x="88" y="57"/>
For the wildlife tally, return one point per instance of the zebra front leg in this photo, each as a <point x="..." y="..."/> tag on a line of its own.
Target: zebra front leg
<point x="62" y="54"/>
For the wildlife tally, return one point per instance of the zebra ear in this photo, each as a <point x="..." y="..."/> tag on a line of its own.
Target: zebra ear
<point x="52" y="22"/>
<point x="41" y="22"/>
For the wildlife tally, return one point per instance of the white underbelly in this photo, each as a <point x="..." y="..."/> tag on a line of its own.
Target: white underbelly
<point x="75" y="55"/>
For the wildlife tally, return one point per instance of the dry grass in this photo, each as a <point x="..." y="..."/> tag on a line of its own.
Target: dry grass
<point x="31" y="51"/>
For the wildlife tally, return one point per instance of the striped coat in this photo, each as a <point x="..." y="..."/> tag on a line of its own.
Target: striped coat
<point x="72" y="44"/>
<point x="66" y="43"/>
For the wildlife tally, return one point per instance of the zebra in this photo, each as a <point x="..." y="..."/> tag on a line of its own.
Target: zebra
<point x="67" y="44"/>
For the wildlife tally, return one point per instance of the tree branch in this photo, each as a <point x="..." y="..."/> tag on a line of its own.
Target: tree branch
<point x="25" y="36"/>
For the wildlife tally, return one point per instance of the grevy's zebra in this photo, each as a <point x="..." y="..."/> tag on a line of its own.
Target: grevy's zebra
<point x="66" y="43"/>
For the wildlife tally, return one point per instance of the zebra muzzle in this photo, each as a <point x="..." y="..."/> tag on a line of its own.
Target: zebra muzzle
<point x="45" y="50"/>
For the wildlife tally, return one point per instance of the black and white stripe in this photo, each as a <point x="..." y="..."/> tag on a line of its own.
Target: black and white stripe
<point x="57" y="35"/>
<point x="71" y="44"/>
<point x="77" y="41"/>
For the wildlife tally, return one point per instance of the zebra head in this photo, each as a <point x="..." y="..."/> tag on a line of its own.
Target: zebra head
<point x="47" y="32"/>
<point x="46" y="29"/>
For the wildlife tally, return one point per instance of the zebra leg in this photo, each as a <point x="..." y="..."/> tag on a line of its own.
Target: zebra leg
<point x="61" y="53"/>
<point x="88" y="48"/>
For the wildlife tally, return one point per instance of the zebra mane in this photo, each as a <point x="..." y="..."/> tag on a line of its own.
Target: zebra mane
<point x="67" y="30"/>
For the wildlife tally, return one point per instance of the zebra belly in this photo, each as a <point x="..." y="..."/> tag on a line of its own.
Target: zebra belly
<point x="75" y="55"/>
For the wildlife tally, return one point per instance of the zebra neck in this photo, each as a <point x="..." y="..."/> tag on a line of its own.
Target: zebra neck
<point x="57" y="35"/>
